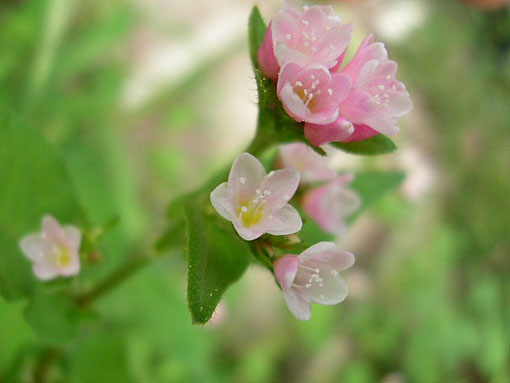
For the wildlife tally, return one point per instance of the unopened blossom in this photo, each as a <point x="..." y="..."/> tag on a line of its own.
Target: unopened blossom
<point x="313" y="277"/>
<point x="312" y="94"/>
<point x="54" y="251"/>
<point x="377" y="98"/>
<point x="311" y="166"/>
<point x="329" y="205"/>
<point x="311" y="36"/>
<point x="342" y="130"/>
<point x="256" y="202"/>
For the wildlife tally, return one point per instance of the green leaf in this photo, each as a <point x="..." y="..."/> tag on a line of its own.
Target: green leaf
<point x="34" y="182"/>
<point x="256" y="32"/>
<point x="379" y="144"/>
<point x="311" y="233"/>
<point x="217" y="257"/>
<point x="373" y="185"/>
<point x="53" y="316"/>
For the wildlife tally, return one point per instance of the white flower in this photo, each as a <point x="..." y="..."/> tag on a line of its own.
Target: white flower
<point x="256" y="202"/>
<point x="54" y="251"/>
<point x="313" y="276"/>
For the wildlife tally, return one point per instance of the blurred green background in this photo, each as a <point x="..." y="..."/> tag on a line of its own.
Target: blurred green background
<point x="144" y="99"/>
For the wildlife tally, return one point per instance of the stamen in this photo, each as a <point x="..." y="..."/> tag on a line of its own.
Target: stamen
<point x="313" y="270"/>
<point x="288" y="36"/>
<point x="271" y="173"/>
<point x="242" y="180"/>
<point x="330" y="91"/>
<point x="305" y="22"/>
<point x="298" y="83"/>
<point x="334" y="273"/>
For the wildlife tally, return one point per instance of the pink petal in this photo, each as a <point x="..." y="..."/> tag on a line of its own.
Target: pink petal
<point x="338" y="131"/>
<point x="332" y="289"/>
<point x="285" y="221"/>
<point x="361" y="132"/>
<point x="266" y="56"/>
<point x="292" y="103"/>
<point x="358" y="106"/>
<point x="223" y="201"/>
<point x="297" y="305"/>
<point x="316" y="250"/>
<point x="285" y="269"/>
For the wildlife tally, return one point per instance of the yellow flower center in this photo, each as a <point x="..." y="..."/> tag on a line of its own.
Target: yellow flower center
<point x="62" y="255"/>
<point x="251" y="213"/>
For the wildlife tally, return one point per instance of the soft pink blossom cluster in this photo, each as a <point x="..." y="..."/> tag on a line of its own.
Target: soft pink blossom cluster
<point x="303" y="52"/>
<point x="257" y="203"/>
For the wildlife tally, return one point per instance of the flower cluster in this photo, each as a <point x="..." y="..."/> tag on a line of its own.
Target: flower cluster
<point x="332" y="201"/>
<point x="256" y="203"/>
<point x="303" y="52"/>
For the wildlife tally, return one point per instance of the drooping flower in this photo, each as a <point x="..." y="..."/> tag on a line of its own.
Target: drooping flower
<point x="311" y="166"/>
<point x="54" y="251"/>
<point x="329" y="205"/>
<point x="313" y="277"/>
<point x="314" y="35"/>
<point x="312" y="94"/>
<point x="377" y="99"/>
<point x="256" y="202"/>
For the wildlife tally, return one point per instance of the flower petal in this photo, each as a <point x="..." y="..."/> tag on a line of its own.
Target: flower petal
<point x="246" y="175"/>
<point x="52" y="229"/>
<point x="297" y="305"/>
<point x="331" y="290"/>
<point x="316" y="249"/>
<point x="73" y="235"/>
<point x="223" y="202"/>
<point x="45" y="270"/>
<point x="286" y="221"/>
<point x="285" y="269"/>
<point x="249" y="234"/>
<point x="279" y="187"/>
<point x="34" y="246"/>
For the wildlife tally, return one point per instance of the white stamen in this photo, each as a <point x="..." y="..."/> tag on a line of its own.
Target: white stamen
<point x="288" y="36"/>
<point x="271" y="173"/>
<point x="330" y="91"/>
<point x="381" y="87"/>
<point x="312" y="77"/>
<point x="388" y="77"/>
<point x="305" y="22"/>
<point x="242" y="180"/>
<point x="244" y="209"/>
<point x="334" y="273"/>
<point x="298" y="83"/>
<point x="258" y="191"/>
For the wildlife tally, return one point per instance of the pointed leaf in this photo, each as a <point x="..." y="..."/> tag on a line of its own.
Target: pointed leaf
<point x="217" y="257"/>
<point x="379" y="144"/>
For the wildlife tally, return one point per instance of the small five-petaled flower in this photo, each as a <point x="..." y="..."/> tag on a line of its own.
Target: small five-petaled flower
<point x="54" y="251"/>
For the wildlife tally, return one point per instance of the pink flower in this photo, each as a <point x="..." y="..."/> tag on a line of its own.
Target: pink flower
<point x="338" y="131"/>
<point x="54" y="251"/>
<point x="377" y="99"/>
<point x="313" y="276"/>
<point x="314" y="35"/>
<point x="256" y="202"/>
<point x="331" y="204"/>
<point x="312" y="94"/>
<point x="311" y="166"/>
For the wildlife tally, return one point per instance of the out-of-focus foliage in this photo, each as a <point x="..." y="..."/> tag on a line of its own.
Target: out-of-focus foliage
<point x="430" y="293"/>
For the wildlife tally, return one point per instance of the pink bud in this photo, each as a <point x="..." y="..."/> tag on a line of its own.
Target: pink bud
<point x="267" y="60"/>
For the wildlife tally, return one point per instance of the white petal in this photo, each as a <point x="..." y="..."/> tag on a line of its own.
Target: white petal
<point x="33" y="246"/>
<point x="73" y="268"/>
<point x="223" y="202"/>
<point x="316" y="250"/>
<point x="246" y="175"/>
<point x="249" y="234"/>
<point x="331" y="290"/>
<point x="52" y="229"/>
<point x="285" y="221"/>
<point x="45" y="270"/>
<point x="297" y="305"/>
<point x="73" y="236"/>
<point x="280" y="187"/>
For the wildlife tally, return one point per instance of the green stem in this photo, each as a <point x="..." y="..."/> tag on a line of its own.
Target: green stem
<point x="130" y="267"/>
